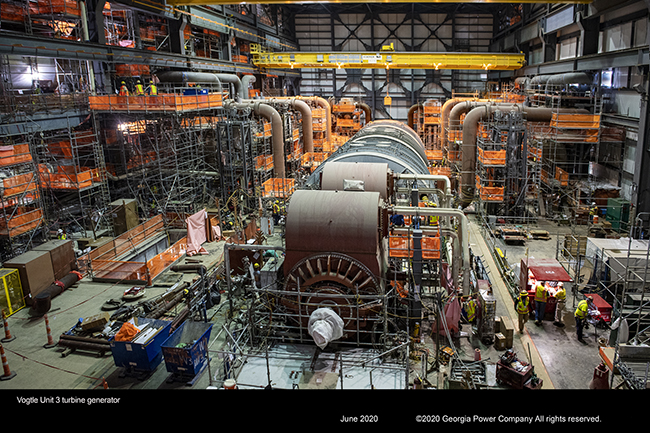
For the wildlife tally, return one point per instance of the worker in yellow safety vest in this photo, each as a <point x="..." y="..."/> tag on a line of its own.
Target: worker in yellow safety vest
<point x="581" y="314"/>
<point x="541" y="296"/>
<point x="139" y="88"/>
<point x="124" y="91"/>
<point x="470" y="309"/>
<point x="560" y="297"/>
<point x="433" y="219"/>
<point x="276" y="211"/>
<point x="522" y="305"/>
<point x="153" y="89"/>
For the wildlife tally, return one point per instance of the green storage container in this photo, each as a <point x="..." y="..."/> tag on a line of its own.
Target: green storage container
<point x="618" y="214"/>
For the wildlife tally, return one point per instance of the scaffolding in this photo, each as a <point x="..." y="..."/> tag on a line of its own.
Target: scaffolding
<point x="502" y="176"/>
<point x="22" y="213"/>
<point x="73" y="178"/>
<point x="58" y="19"/>
<point x="569" y="149"/>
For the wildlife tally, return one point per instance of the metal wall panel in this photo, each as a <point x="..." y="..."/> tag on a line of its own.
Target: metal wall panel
<point x="560" y="19"/>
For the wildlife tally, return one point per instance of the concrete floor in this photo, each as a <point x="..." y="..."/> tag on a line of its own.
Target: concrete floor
<point x="559" y="359"/>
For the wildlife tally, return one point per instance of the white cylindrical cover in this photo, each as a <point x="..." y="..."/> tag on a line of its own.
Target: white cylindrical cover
<point x="325" y="326"/>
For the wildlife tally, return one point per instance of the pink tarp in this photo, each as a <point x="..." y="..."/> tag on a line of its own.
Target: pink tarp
<point x="452" y="307"/>
<point x="196" y="233"/>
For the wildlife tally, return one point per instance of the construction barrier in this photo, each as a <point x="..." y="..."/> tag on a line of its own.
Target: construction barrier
<point x="492" y="157"/>
<point x="278" y="187"/>
<point x="14" y="154"/>
<point x="161" y="103"/>
<point x="401" y="246"/>
<point x="22" y="221"/>
<point x="18" y="184"/>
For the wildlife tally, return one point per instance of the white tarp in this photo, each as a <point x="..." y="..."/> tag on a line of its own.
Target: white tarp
<point x="325" y="326"/>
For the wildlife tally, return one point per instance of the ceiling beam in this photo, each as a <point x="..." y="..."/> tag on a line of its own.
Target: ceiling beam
<point x="289" y="2"/>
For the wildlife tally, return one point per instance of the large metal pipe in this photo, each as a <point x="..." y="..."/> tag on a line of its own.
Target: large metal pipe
<point x="307" y="121"/>
<point x="567" y="78"/>
<point x="464" y="107"/>
<point x="366" y="109"/>
<point x="246" y="81"/>
<point x="444" y="116"/>
<point x="411" y="113"/>
<point x="189" y="77"/>
<point x="236" y="82"/>
<point x="322" y="103"/>
<point x="463" y="234"/>
<point x="277" y="137"/>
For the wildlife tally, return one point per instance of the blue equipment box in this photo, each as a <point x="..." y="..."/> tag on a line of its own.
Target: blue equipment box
<point x="142" y="357"/>
<point x="186" y="350"/>
<point x="187" y="92"/>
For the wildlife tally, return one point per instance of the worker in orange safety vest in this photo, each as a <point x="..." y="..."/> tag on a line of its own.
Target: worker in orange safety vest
<point x="124" y="91"/>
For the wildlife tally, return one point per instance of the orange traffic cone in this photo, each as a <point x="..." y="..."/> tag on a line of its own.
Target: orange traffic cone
<point x="104" y="383"/>
<point x="50" y="342"/>
<point x="8" y="374"/>
<point x="601" y="377"/>
<point x="8" y="336"/>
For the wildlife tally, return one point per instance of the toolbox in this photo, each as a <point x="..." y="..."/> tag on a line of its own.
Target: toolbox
<point x="516" y="373"/>
<point x="141" y="357"/>
<point x="186" y="351"/>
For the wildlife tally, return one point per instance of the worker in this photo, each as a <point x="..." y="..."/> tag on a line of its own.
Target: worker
<point x="541" y="296"/>
<point x="257" y="274"/>
<point x="522" y="307"/>
<point x="433" y="219"/>
<point x="139" y="88"/>
<point x="61" y="234"/>
<point x="124" y="91"/>
<point x="470" y="309"/>
<point x="153" y="89"/>
<point x="593" y="211"/>
<point x="560" y="297"/>
<point x="581" y="314"/>
<point x="276" y="212"/>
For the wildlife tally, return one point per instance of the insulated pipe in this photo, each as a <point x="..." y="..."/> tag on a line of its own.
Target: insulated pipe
<point x="522" y="82"/>
<point x="444" y="116"/>
<point x="366" y="109"/>
<point x="321" y="102"/>
<point x="233" y="79"/>
<point x="272" y="115"/>
<point x="568" y="78"/>
<point x="246" y="80"/>
<point x="189" y="77"/>
<point x="464" y="107"/>
<point x="307" y="122"/>
<point x="43" y="300"/>
<point x="463" y="235"/>
<point x="411" y="113"/>
<point x="537" y="81"/>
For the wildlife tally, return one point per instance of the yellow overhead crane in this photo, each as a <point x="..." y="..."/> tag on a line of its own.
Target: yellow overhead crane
<point x="386" y="58"/>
